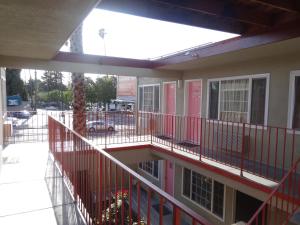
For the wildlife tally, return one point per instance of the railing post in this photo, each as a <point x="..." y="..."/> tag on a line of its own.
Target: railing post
<point x="137" y="123"/>
<point x="105" y="137"/>
<point x="172" y="130"/>
<point x="200" y="139"/>
<point x="62" y="149"/>
<point x="176" y="215"/>
<point x="151" y="127"/>
<point x="243" y="150"/>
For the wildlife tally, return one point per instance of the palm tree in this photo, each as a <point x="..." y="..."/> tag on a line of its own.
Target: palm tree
<point x="79" y="118"/>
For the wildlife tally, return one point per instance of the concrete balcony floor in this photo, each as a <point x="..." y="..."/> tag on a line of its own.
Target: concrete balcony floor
<point x="29" y="192"/>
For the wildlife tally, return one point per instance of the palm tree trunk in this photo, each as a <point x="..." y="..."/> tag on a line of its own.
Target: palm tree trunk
<point x="79" y="115"/>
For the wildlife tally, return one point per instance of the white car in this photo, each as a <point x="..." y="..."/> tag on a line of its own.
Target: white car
<point x="99" y="125"/>
<point x="50" y="108"/>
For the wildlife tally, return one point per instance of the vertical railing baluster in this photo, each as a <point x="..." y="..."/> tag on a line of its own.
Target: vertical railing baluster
<point x="161" y="210"/>
<point x="138" y="202"/>
<point x="243" y="150"/>
<point x="176" y="215"/>
<point x="149" y="207"/>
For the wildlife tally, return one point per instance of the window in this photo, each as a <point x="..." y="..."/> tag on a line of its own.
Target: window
<point x="238" y="100"/>
<point x="186" y="182"/>
<point x="150" y="167"/>
<point x="294" y="115"/>
<point x="203" y="190"/>
<point x="149" y="98"/>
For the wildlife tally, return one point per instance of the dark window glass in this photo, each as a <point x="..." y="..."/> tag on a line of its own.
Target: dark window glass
<point x="218" y="199"/>
<point x="296" y="116"/>
<point x="213" y="99"/>
<point x="141" y="97"/>
<point x="155" y="169"/>
<point x="187" y="182"/>
<point x="258" y="101"/>
<point x="156" y="98"/>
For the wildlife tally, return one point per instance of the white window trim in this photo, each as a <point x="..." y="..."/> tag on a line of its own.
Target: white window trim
<point x="291" y="101"/>
<point x="250" y="77"/>
<point x="185" y="99"/>
<point x="159" y="94"/>
<point x="152" y="175"/>
<point x="196" y="203"/>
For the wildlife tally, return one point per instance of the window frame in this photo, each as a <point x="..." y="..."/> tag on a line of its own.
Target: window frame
<point x="250" y="78"/>
<point x="153" y="96"/>
<point x="212" y="194"/>
<point x="151" y="174"/>
<point x="291" y="101"/>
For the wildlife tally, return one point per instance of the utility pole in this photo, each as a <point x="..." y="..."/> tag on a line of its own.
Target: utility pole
<point x="102" y="34"/>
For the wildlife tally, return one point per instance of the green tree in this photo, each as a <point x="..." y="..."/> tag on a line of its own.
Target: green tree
<point x="90" y="92"/>
<point x="52" y="80"/>
<point x="106" y="88"/>
<point x="67" y="97"/>
<point x="14" y="83"/>
<point x="31" y="87"/>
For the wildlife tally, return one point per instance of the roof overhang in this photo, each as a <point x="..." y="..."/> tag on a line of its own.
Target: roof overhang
<point x="81" y="63"/>
<point x="242" y="17"/>
<point x="38" y="29"/>
<point x="280" y="40"/>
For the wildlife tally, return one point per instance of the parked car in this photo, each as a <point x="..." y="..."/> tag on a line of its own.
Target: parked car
<point x="50" y="108"/>
<point x="21" y="114"/>
<point x="99" y="125"/>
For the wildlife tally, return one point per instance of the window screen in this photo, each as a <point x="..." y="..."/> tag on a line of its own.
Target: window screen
<point x="234" y="100"/>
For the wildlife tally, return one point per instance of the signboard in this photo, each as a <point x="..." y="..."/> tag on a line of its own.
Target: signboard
<point x="126" y="86"/>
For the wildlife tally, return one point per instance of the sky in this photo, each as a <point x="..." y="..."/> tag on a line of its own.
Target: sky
<point x="137" y="37"/>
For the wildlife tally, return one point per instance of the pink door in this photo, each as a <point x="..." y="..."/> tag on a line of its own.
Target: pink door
<point x="194" y="89"/>
<point x="170" y="108"/>
<point x="169" y="128"/>
<point x="169" y="177"/>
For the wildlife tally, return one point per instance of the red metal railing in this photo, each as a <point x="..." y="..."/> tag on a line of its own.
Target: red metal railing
<point x="26" y="126"/>
<point x="282" y="203"/>
<point x="106" y="190"/>
<point x="265" y="151"/>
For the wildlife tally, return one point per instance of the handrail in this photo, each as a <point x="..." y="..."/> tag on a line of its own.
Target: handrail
<point x="278" y="196"/>
<point x="152" y="187"/>
<point x="265" y="151"/>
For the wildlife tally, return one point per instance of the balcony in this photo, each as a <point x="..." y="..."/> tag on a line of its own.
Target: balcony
<point x="261" y="155"/>
<point x="258" y="152"/>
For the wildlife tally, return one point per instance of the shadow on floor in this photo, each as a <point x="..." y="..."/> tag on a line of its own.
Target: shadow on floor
<point x="64" y="207"/>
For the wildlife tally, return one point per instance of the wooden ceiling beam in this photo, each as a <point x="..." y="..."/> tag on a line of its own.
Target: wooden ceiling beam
<point x="159" y="10"/>
<point x="222" y="9"/>
<point x="291" y="6"/>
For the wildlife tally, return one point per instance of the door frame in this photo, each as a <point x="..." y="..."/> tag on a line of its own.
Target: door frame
<point x="163" y="110"/>
<point x="163" y="96"/>
<point x="166" y="167"/>
<point x="185" y="111"/>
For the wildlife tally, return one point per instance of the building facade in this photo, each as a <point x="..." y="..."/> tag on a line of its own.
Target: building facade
<point x="260" y="93"/>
